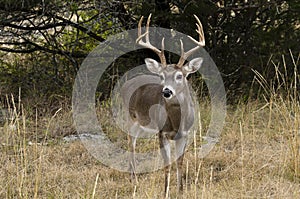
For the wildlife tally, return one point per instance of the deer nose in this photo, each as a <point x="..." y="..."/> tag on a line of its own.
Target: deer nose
<point x="167" y="93"/>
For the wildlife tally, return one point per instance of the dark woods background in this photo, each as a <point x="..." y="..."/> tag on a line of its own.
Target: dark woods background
<point x="43" y="42"/>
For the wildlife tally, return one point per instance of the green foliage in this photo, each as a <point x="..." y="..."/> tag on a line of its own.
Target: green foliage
<point x="241" y="36"/>
<point x="34" y="78"/>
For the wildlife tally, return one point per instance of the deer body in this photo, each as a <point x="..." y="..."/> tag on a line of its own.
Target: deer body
<point x="173" y="116"/>
<point x="152" y="94"/>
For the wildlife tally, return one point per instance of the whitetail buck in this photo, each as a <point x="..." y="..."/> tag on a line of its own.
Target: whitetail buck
<point x="173" y="94"/>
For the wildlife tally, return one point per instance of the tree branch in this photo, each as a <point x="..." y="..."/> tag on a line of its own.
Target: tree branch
<point x="81" y="28"/>
<point x="45" y="27"/>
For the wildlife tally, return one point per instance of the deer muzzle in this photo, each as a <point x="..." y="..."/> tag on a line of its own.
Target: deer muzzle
<point x="167" y="93"/>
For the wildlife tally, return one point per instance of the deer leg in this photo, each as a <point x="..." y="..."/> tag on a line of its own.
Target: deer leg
<point x="180" y="145"/>
<point x="166" y="154"/>
<point x="132" y="137"/>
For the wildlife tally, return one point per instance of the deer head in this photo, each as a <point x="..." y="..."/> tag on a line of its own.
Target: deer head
<point x="173" y="76"/>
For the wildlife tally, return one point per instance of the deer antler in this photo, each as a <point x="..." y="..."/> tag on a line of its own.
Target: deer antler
<point x="147" y="44"/>
<point x="201" y="42"/>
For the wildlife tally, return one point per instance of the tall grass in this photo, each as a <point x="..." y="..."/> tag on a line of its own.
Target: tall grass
<point x="282" y="97"/>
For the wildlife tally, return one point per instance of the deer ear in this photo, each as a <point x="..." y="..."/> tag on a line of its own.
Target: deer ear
<point x="193" y="65"/>
<point x="153" y="66"/>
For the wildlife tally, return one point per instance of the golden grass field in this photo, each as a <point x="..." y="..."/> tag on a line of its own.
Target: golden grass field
<point x="258" y="155"/>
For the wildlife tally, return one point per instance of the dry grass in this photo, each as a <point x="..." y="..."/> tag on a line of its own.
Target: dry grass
<point x="257" y="157"/>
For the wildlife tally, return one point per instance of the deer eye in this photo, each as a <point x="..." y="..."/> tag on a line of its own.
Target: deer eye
<point x="179" y="77"/>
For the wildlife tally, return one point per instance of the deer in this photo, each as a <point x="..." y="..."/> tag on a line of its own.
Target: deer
<point x="173" y="94"/>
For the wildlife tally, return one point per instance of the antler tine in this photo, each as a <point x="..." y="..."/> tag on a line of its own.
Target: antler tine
<point x="139" y="28"/>
<point x="182" y="56"/>
<point x="200" y="32"/>
<point x="147" y="28"/>
<point x="147" y="44"/>
<point x="201" y="42"/>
